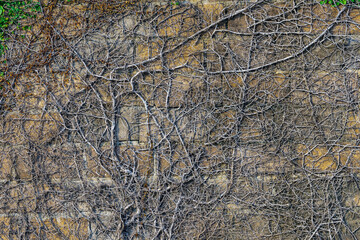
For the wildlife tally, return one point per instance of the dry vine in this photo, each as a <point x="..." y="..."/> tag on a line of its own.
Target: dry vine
<point x="146" y="120"/>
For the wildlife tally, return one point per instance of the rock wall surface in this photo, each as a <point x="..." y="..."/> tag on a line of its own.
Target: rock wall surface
<point x="181" y="120"/>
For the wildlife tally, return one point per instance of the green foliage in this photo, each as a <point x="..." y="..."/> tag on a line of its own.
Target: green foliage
<point x="175" y="3"/>
<point x="11" y="12"/>
<point x="335" y="3"/>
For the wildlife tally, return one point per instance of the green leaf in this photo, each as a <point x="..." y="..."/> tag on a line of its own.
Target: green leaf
<point x="38" y="7"/>
<point x="1" y="10"/>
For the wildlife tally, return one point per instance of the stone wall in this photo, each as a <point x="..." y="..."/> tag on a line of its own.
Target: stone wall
<point x="191" y="120"/>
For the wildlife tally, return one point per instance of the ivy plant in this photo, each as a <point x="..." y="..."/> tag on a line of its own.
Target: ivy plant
<point x="335" y="3"/>
<point x="11" y="12"/>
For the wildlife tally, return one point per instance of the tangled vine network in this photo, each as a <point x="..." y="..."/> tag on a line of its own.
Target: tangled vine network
<point x="180" y="120"/>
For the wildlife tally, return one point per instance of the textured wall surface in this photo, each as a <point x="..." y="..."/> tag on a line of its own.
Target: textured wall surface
<point x="181" y="120"/>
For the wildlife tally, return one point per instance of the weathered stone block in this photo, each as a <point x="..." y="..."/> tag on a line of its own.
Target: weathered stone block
<point x="129" y="121"/>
